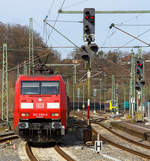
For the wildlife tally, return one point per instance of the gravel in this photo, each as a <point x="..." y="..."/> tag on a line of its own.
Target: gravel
<point x="71" y="145"/>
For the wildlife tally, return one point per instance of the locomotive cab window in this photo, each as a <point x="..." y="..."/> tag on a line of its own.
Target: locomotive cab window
<point x="49" y="87"/>
<point x="31" y="87"/>
<point x="39" y="87"/>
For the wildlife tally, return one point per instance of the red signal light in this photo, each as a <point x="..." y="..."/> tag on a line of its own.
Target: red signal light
<point x="86" y="17"/>
<point x="92" y="17"/>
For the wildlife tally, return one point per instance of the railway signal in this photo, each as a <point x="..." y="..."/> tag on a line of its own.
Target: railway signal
<point x="88" y="51"/>
<point x="93" y="47"/>
<point x="89" y="24"/>
<point x="139" y="85"/>
<point x="139" y="68"/>
<point x="84" y="53"/>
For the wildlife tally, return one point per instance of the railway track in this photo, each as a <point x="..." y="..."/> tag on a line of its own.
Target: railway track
<point x="129" y="141"/>
<point x="63" y="154"/>
<point x="130" y="128"/>
<point x="32" y="157"/>
<point x="122" y="147"/>
<point x="123" y="137"/>
<point x="8" y="136"/>
<point x="29" y="152"/>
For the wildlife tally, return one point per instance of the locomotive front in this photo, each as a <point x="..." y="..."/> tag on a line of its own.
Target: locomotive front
<point x="40" y="108"/>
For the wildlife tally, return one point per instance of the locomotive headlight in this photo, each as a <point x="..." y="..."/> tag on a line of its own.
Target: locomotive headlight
<point x="24" y="114"/>
<point x="55" y="114"/>
<point x="39" y="99"/>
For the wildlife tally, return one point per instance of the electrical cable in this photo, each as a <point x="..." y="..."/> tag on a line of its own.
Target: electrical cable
<point x="75" y="4"/>
<point x="48" y="15"/>
<point x="26" y="62"/>
<point x="50" y="8"/>
<point x="137" y="36"/>
<point x="58" y="43"/>
<point x="140" y="25"/>
<point x="64" y="21"/>
<point x="62" y="34"/>
<point x="113" y="25"/>
<point x="56" y="21"/>
<point x="107" y="37"/>
<point x="132" y="18"/>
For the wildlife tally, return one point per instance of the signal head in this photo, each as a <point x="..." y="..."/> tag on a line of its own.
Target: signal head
<point x="89" y="20"/>
<point x="93" y="47"/>
<point x="84" y="53"/>
<point x="139" y="85"/>
<point x="139" y="68"/>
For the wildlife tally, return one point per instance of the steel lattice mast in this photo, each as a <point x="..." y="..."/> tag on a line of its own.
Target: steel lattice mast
<point x="18" y="71"/>
<point x="4" y="96"/>
<point x="25" y="68"/>
<point x="132" y="86"/>
<point x="113" y="98"/>
<point x="140" y="94"/>
<point x="31" y="49"/>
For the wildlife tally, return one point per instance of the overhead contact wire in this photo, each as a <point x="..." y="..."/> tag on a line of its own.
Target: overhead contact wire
<point x="56" y="20"/>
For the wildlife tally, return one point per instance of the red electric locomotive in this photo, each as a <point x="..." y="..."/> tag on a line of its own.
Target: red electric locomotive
<point x="41" y="110"/>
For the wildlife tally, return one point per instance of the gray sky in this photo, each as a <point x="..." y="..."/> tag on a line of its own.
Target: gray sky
<point x="19" y="12"/>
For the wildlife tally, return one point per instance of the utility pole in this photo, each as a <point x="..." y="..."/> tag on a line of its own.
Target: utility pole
<point x="83" y="105"/>
<point x="25" y="68"/>
<point x="124" y="105"/>
<point x="67" y="87"/>
<point x="31" y="49"/>
<point x="94" y="95"/>
<point x="89" y="87"/>
<point x="18" y="72"/>
<point x="132" y="86"/>
<point x="104" y="86"/>
<point x="113" y="96"/>
<point x="100" y="94"/>
<point x="140" y="87"/>
<point x="4" y="96"/>
<point x="74" y="82"/>
<point x="117" y="97"/>
<point x="91" y="48"/>
<point x="78" y="96"/>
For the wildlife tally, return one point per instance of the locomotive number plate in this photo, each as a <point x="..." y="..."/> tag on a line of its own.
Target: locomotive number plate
<point x="40" y="105"/>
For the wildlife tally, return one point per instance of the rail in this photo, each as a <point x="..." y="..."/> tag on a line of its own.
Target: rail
<point x="12" y="137"/>
<point x="29" y="152"/>
<point x="125" y="138"/>
<point x="105" y="139"/>
<point x="63" y="154"/>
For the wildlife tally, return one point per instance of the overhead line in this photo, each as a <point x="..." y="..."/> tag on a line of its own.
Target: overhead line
<point x="61" y="34"/>
<point x="132" y="24"/>
<point x="113" y="25"/>
<point x="65" y="21"/>
<point x="104" y="47"/>
<point x="106" y="12"/>
<point x="55" y="20"/>
<point x="137" y="36"/>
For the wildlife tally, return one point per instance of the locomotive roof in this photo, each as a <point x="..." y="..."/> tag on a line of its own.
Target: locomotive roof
<point x="52" y="77"/>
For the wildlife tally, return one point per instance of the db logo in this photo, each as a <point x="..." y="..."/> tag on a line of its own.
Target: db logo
<point x="40" y="105"/>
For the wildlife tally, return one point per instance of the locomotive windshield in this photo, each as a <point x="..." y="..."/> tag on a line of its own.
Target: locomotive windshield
<point x="39" y="87"/>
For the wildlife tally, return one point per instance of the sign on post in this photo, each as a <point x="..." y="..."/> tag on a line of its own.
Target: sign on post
<point x="132" y="100"/>
<point x="78" y="92"/>
<point x="98" y="146"/>
<point x="94" y="92"/>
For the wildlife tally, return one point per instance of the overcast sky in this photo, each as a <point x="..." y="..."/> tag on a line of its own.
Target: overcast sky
<point x="19" y="12"/>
